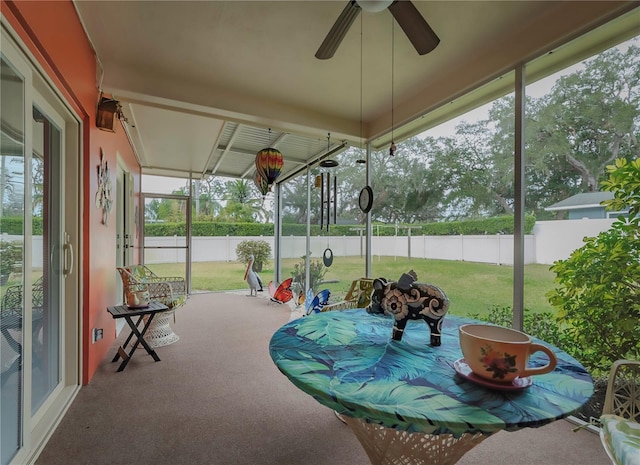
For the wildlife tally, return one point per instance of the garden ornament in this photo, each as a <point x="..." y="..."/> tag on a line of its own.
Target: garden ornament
<point x="407" y="300"/>
<point x="252" y="278"/>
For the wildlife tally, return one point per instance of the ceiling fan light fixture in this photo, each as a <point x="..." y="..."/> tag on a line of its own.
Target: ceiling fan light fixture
<point x="374" y="6"/>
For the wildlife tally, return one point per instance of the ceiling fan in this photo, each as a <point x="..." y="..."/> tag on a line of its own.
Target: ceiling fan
<point x="405" y="13"/>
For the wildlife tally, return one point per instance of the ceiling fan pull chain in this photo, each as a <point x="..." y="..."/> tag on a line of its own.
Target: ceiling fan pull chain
<point x="392" y="147"/>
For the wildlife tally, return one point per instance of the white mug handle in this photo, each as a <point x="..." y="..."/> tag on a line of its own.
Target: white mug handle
<point x="553" y="361"/>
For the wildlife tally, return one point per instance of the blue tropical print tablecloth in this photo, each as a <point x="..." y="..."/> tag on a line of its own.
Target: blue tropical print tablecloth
<point x="348" y="362"/>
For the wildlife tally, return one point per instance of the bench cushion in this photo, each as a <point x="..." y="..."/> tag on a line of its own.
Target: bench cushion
<point x="621" y="438"/>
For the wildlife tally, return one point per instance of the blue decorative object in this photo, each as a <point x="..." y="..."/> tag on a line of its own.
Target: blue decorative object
<point x="407" y="300"/>
<point x="314" y="304"/>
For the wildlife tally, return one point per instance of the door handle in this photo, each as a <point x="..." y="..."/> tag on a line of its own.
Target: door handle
<point x="68" y="256"/>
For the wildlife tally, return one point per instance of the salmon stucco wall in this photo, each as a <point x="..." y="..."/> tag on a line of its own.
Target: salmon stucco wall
<point x="70" y="63"/>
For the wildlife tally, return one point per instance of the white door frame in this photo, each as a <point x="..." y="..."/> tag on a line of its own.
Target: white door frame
<point x="37" y="428"/>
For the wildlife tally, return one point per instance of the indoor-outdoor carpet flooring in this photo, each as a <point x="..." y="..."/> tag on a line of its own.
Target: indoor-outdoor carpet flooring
<point x="217" y="398"/>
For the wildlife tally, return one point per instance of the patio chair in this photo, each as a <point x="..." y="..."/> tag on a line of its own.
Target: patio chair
<point x="169" y="290"/>
<point x="358" y="296"/>
<point x="620" y="420"/>
<point x="11" y="314"/>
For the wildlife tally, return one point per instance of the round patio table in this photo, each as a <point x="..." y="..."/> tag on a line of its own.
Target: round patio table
<point x="404" y="400"/>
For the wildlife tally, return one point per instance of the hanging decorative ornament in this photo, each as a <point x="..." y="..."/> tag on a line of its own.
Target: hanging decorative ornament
<point x="269" y="164"/>
<point x="261" y="184"/>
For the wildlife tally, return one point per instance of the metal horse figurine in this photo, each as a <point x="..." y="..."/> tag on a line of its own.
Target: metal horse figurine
<point x="407" y="300"/>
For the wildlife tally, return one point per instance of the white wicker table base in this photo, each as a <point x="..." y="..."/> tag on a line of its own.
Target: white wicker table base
<point x="388" y="446"/>
<point x="160" y="332"/>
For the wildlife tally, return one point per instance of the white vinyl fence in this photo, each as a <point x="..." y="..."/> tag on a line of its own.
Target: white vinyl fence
<point x="550" y="241"/>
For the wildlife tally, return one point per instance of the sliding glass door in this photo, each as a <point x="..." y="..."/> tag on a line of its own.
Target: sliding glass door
<point x="38" y="308"/>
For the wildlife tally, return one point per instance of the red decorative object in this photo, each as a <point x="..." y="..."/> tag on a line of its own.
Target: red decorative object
<point x="269" y="163"/>
<point x="261" y="184"/>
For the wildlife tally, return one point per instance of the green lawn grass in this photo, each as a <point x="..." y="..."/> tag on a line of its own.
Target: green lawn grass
<point x="471" y="287"/>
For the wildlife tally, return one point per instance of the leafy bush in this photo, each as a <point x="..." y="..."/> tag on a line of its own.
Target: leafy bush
<point x="10" y="256"/>
<point x="317" y="271"/>
<point x="598" y="293"/>
<point x="261" y="251"/>
<point x="14" y="225"/>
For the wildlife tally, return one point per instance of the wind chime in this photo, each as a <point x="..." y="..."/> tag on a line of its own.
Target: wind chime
<point x="325" y="182"/>
<point x="269" y="164"/>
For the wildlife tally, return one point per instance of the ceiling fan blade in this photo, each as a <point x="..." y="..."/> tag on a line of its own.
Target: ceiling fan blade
<point x="338" y="31"/>
<point x="414" y="26"/>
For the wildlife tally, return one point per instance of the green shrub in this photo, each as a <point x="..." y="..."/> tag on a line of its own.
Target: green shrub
<point x="14" y="225"/>
<point x="497" y="225"/>
<point x="317" y="271"/>
<point x="598" y="293"/>
<point x="261" y="251"/>
<point x="10" y="257"/>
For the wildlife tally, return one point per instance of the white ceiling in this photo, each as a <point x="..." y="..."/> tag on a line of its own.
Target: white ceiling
<point x="206" y="84"/>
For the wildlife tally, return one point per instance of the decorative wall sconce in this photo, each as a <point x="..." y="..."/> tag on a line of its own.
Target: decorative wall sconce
<point x="108" y="110"/>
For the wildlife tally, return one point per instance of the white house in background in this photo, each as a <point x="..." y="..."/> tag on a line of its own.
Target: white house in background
<point x="586" y="205"/>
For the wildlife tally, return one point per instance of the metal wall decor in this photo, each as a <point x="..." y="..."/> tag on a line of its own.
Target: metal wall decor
<point x="103" y="195"/>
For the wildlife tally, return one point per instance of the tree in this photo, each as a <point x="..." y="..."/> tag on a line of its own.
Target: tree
<point x="590" y="118"/>
<point x="207" y="195"/>
<point x="294" y="200"/>
<point x="244" y="203"/>
<point x="404" y="188"/>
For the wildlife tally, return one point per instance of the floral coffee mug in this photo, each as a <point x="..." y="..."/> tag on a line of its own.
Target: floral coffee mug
<point x="501" y="354"/>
